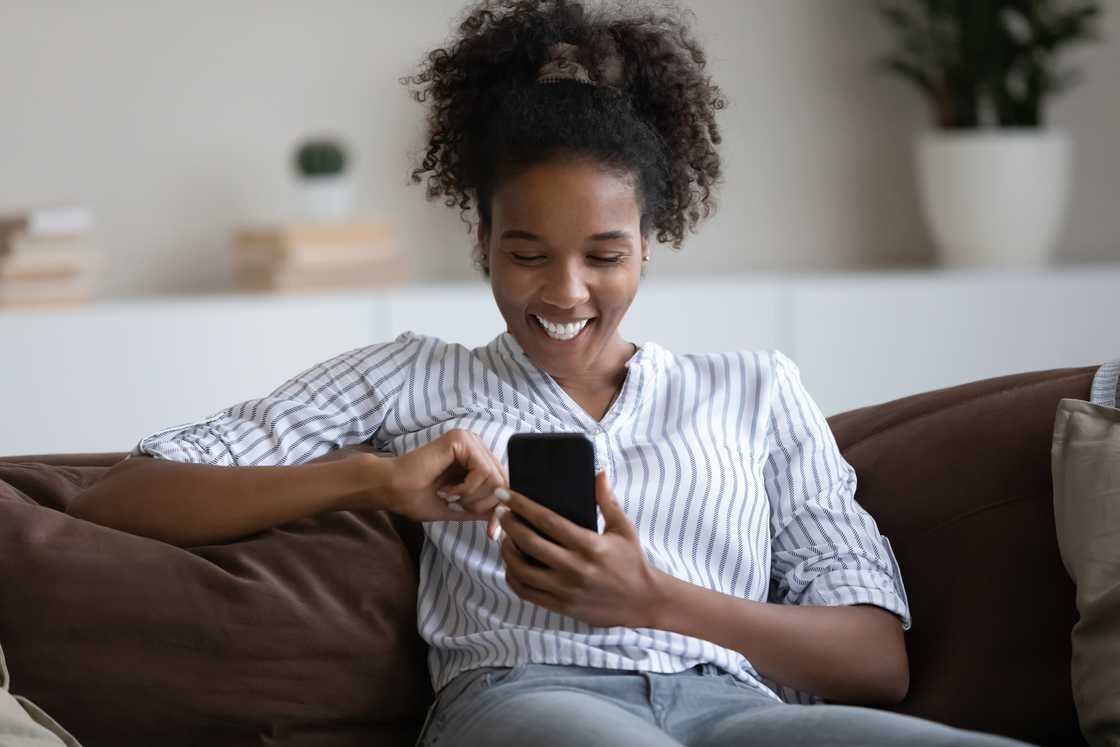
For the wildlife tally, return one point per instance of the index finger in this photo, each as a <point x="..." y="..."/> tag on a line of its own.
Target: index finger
<point x="501" y="470"/>
<point x="563" y="532"/>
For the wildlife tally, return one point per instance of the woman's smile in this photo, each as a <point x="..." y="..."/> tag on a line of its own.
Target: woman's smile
<point x="566" y="332"/>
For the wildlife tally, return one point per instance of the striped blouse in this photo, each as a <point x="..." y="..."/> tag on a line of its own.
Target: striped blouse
<point x="724" y="464"/>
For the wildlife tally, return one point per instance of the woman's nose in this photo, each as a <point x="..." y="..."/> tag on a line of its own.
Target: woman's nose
<point x="565" y="287"/>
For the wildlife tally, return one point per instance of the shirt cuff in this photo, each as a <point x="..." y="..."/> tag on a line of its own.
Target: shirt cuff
<point x="184" y="443"/>
<point x="1106" y="385"/>
<point x="837" y="589"/>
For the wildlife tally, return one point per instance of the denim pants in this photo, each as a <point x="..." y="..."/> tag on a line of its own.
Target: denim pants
<point x="548" y="705"/>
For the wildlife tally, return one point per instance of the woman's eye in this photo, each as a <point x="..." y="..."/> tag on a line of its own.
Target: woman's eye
<point x="527" y="257"/>
<point x="614" y="259"/>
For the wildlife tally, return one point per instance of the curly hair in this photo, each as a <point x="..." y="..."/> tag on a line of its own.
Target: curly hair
<point x="649" y="115"/>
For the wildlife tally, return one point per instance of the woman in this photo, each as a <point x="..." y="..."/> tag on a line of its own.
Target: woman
<point x="732" y="555"/>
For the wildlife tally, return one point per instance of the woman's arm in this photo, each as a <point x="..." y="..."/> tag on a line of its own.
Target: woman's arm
<point x="854" y="654"/>
<point x="194" y="504"/>
<point x="197" y="504"/>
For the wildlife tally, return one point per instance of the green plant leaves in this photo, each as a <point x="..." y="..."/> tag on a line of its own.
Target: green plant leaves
<point x="320" y="157"/>
<point x="968" y="57"/>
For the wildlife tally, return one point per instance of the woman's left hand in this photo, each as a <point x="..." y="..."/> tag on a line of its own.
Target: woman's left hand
<point x="601" y="579"/>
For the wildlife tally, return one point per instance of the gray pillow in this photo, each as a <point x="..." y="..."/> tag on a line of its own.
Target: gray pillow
<point x="1085" y="459"/>
<point x="23" y="724"/>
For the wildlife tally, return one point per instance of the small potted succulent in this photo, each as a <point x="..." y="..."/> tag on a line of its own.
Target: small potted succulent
<point x="320" y="165"/>
<point x="994" y="179"/>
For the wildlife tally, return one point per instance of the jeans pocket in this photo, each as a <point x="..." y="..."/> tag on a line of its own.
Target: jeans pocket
<point x="458" y="694"/>
<point x="505" y="675"/>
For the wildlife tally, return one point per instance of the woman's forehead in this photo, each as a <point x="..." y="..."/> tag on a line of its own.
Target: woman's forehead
<point x="566" y="190"/>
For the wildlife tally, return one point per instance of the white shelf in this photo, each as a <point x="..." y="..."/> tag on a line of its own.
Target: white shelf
<point x="97" y="378"/>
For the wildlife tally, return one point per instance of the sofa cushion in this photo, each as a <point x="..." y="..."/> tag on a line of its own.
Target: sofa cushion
<point x="301" y="635"/>
<point x="1086" y="465"/>
<point x="959" y="480"/>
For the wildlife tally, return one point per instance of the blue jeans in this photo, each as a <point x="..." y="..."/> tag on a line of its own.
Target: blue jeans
<point x="547" y="705"/>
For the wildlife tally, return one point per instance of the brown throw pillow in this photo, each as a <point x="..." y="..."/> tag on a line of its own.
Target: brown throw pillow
<point x="302" y="635"/>
<point x="959" y="479"/>
<point x="1086" y="467"/>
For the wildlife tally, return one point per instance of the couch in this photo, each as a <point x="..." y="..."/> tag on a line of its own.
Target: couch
<point x="304" y="635"/>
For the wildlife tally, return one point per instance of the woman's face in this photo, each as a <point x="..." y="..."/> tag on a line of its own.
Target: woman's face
<point x="565" y="256"/>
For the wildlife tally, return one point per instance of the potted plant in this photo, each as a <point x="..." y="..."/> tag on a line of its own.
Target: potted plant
<point x="320" y="165"/>
<point x="994" y="179"/>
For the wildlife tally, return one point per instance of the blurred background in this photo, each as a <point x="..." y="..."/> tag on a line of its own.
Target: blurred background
<point x="174" y="126"/>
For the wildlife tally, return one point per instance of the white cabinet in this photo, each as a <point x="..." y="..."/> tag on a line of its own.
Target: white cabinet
<point x="702" y="315"/>
<point x="99" y="377"/>
<point x="861" y="340"/>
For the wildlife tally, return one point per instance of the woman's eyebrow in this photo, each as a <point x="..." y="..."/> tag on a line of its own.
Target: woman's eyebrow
<point x="514" y="233"/>
<point x="605" y="235"/>
<point x="610" y="235"/>
<point x="614" y="235"/>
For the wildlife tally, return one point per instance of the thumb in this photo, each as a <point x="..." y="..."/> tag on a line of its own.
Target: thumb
<point x="615" y="518"/>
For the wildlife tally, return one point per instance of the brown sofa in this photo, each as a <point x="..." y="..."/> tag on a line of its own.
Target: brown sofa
<point x="305" y="635"/>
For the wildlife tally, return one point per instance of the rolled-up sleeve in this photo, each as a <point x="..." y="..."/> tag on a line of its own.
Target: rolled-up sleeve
<point x="825" y="548"/>
<point x="341" y="401"/>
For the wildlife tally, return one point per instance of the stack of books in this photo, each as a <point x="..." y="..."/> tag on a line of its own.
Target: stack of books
<point x="45" y="259"/>
<point x="316" y="256"/>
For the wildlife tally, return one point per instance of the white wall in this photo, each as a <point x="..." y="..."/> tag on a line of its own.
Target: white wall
<point x="176" y="120"/>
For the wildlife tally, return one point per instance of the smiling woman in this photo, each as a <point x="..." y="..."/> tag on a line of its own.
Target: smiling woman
<point x="735" y="578"/>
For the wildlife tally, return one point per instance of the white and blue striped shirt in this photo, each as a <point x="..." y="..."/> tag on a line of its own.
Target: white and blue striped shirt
<point x="724" y="464"/>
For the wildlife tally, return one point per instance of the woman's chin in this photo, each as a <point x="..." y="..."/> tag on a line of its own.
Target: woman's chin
<point x="565" y="358"/>
<point x="560" y="358"/>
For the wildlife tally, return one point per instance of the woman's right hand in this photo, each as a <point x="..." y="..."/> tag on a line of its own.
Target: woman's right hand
<point x="452" y="478"/>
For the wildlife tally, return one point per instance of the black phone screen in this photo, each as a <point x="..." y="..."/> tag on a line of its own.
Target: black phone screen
<point x="557" y="470"/>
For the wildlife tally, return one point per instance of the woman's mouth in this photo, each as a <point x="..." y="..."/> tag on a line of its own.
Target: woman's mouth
<point x="561" y="331"/>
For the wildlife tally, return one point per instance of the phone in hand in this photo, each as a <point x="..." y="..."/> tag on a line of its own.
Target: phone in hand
<point x="557" y="470"/>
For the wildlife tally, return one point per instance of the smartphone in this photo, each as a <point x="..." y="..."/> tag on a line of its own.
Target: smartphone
<point x="557" y="470"/>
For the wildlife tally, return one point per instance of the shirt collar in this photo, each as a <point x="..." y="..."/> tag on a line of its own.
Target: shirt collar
<point x="506" y="345"/>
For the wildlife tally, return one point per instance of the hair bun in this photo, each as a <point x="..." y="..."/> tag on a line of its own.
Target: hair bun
<point x="563" y="64"/>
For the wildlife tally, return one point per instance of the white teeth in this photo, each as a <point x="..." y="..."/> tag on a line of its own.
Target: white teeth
<point x="562" y="331"/>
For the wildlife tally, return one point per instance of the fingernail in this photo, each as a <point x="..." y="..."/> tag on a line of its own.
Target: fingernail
<point x="502" y="495"/>
<point x="442" y="493"/>
<point x="455" y="507"/>
<point x="497" y="535"/>
<point x="451" y="498"/>
<point x="500" y="511"/>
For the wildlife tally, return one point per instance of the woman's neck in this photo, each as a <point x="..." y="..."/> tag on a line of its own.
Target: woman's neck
<point x="595" y="390"/>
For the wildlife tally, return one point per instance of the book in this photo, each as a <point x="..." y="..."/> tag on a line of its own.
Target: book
<point x="370" y="274"/>
<point x="313" y="243"/>
<point x="47" y="258"/>
<point x="310" y="255"/>
<point x="46" y="292"/>
<point x="72" y="220"/>
<point x="316" y="233"/>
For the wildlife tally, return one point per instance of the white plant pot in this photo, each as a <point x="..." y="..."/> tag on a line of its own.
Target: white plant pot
<point x="326" y="199"/>
<point x="995" y="198"/>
